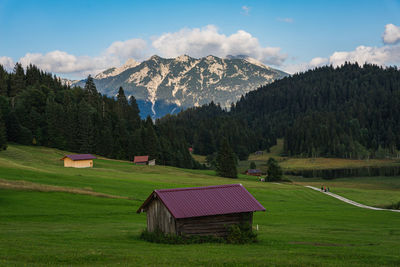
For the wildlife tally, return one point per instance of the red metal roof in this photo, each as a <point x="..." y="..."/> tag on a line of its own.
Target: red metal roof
<point x="80" y="156"/>
<point x="206" y="201"/>
<point x="138" y="159"/>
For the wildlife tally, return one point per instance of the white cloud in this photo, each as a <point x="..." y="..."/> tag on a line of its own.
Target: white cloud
<point x="199" y="42"/>
<point x="287" y="20"/>
<point x="385" y="55"/>
<point x="7" y="62"/>
<point x="246" y="10"/>
<point x="64" y="63"/>
<point x="391" y="34"/>
<point x="382" y="56"/>
<point x="300" y="67"/>
<point x="133" y="48"/>
<point x="80" y="66"/>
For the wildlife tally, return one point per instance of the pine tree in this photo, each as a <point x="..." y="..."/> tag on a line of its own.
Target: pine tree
<point x="122" y="104"/>
<point x="252" y="165"/>
<point x="274" y="172"/>
<point x="226" y="161"/>
<point x="150" y="140"/>
<point x="91" y="90"/>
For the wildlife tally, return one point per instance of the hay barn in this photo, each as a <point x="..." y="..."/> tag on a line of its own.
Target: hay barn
<point x="199" y="210"/>
<point x="78" y="161"/>
<point x="141" y="160"/>
<point x="254" y="172"/>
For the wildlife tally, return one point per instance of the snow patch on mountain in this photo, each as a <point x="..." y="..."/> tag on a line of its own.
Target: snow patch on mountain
<point x="130" y="63"/>
<point x="182" y="82"/>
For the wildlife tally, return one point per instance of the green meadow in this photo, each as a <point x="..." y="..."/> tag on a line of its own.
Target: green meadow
<point x="50" y="215"/>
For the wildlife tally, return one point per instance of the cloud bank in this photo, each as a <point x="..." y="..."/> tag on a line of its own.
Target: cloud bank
<point x="386" y="55"/>
<point x="199" y="42"/>
<point x="196" y="42"/>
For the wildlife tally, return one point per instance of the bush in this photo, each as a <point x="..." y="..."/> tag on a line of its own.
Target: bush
<point x="393" y="206"/>
<point x="237" y="234"/>
<point x="160" y="237"/>
<point x="241" y="234"/>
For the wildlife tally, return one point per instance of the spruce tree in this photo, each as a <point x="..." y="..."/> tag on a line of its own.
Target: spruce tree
<point x="274" y="172"/>
<point x="252" y="165"/>
<point x="226" y="161"/>
<point x="91" y="90"/>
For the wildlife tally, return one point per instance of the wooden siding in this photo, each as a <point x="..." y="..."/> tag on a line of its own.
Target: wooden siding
<point x="212" y="225"/>
<point x="78" y="163"/>
<point x="159" y="217"/>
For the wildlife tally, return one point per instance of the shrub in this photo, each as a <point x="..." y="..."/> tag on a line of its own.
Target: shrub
<point x="393" y="206"/>
<point x="160" y="237"/>
<point x="237" y="234"/>
<point x="241" y="234"/>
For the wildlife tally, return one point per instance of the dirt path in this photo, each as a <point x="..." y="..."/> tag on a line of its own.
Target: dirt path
<point x="348" y="200"/>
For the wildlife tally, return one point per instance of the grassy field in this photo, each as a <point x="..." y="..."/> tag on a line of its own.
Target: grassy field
<point x="372" y="191"/>
<point x="69" y="225"/>
<point x="292" y="163"/>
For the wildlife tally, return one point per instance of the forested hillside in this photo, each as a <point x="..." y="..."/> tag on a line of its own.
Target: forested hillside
<point x="36" y="109"/>
<point x="351" y="111"/>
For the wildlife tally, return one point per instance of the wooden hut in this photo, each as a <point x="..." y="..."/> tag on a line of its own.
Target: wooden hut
<point x="78" y="160"/>
<point x="144" y="160"/>
<point x="141" y="160"/>
<point x="254" y="172"/>
<point x="199" y="210"/>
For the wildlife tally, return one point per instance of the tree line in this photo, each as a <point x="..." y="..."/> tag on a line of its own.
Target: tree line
<point x="37" y="109"/>
<point x="350" y="111"/>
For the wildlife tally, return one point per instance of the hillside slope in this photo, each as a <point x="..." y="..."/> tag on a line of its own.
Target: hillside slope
<point x="55" y="228"/>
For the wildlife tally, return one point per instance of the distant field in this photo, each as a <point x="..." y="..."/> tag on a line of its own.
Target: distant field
<point x="372" y="191"/>
<point x="292" y="163"/>
<point x="301" y="227"/>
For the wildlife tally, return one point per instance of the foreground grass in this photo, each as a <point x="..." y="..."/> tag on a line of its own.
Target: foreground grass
<point x="301" y="227"/>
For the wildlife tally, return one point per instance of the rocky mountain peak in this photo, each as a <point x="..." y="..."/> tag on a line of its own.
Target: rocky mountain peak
<point x="167" y="85"/>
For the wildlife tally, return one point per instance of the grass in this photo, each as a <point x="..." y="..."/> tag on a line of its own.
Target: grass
<point x="300" y="228"/>
<point x="294" y="163"/>
<point x="372" y="191"/>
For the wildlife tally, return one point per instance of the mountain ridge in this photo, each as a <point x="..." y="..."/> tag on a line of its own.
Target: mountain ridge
<point x="173" y="84"/>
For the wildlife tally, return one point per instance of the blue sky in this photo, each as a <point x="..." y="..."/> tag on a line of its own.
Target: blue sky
<point x="74" y="38"/>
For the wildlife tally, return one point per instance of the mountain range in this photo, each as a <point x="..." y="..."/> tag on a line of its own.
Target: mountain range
<point x="168" y="85"/>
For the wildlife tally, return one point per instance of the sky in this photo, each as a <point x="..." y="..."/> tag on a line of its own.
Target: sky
<point x="75" y="38"/>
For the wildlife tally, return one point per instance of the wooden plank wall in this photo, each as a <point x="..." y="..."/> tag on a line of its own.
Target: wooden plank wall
<point x="78" y="163"/>
<point x="212" y="225"/>
<point x="159" y="217"/>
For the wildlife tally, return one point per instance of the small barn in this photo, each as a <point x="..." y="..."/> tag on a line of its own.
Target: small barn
<point x="254" y="172"/>
<point x="78" y="160"/>
<point x="141" y="160"/>
<point x="144" y="160"/>
<point x="199" y="210"/>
